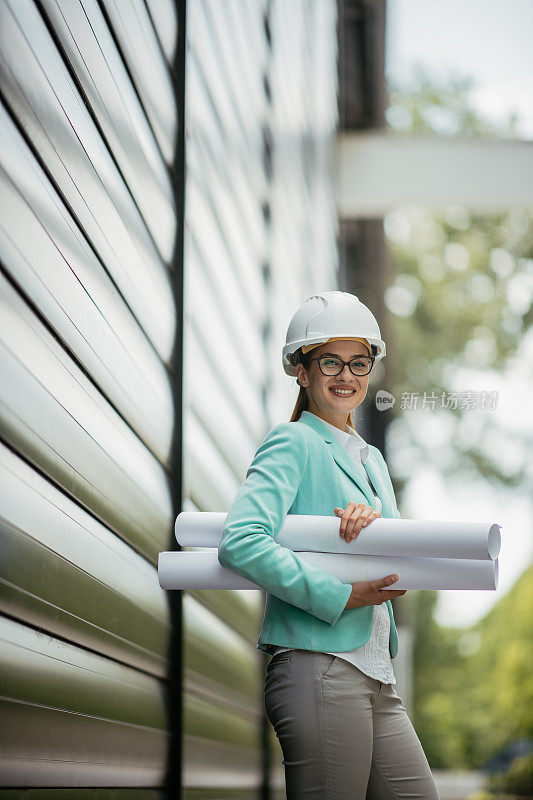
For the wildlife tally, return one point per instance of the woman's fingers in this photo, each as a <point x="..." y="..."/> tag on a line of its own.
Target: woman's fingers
<point x="355" y="522"/>
<point x="345" y="517"/>
<point x="374" y="592"/>
<point x="367" y="515"/>
<point x="378" y="588"/>
<point x="390" y="595"/>
<point x="372" y="517"/>
<point x="353" y="518"/>
<point x="355" y="525"/>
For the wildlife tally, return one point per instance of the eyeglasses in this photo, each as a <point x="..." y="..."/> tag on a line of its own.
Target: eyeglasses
<point x="329" y="365"/>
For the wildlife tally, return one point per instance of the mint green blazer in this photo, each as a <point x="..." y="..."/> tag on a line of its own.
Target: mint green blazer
<point x="301" y="468"/>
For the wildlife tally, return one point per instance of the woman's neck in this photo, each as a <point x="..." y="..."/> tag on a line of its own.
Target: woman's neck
<point x="339" y="423"/>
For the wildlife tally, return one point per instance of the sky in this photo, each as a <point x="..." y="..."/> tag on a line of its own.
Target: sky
<point x="490" y="41"/>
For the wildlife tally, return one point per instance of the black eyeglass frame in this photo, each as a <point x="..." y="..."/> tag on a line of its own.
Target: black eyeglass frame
<point x="357" y="374"/>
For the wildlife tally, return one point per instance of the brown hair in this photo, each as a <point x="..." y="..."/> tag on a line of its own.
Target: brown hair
<point x="302" y="401"/>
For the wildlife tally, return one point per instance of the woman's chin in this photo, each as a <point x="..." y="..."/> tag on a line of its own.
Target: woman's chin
<point x="347" y="402"/>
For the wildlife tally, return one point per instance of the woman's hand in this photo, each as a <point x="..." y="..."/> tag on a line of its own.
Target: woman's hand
<point x="354" y="517"/>
<point x="371" y="593"/>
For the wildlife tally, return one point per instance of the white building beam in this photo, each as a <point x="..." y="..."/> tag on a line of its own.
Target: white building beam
<point x="377" y="171"/>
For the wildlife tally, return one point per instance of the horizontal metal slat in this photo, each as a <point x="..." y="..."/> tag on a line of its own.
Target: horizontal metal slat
<point x="205" y="47"/>
<point x="232" y="769"/>
<point x="64" y="572"/>
<point x="210" y="722"/>
<point x="134" y="31"/>
<point x="225" y="176"/>
<point x="231" y="607"/>
<point x="165" y="21"/>
<point x="233" y="439"/>
<point x="51" y="112"/>
<point x="75" y="718"/>
<point x="227" y="370"/>
<point x="79" y="793"/>
<point x="241" y="610"/>
<point x="233" y="357"/>
<point x="47" y="256"/>
<point x="210" y="646"/>
<point x="209" y="482"/>
<point x="242" y="84"/>
<point x="246" y="20"/>
<point x="237" y="223"/>
<point x="93" y="55"/>
<point x="52" y="414"/>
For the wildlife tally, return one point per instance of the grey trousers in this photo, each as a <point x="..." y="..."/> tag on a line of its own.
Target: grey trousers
<point x="344" y="735"/>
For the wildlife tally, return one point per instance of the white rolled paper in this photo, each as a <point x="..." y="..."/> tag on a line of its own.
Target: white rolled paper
<point x="382" y="537"/>
<point x="197" y="570"/>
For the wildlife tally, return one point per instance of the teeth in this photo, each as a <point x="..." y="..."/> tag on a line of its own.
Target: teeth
<point x="342" y="391"/>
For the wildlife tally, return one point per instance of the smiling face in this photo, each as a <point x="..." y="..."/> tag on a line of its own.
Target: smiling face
<point x="323" y="402"/>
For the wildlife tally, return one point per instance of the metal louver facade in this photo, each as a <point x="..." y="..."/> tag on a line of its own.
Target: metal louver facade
<point x="89" y="300"/>
<point x="260" y="237"/>
<point x="140" y="222"/>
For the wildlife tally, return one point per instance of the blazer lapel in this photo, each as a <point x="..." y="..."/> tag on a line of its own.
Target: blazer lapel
<point x="373" y="469"/>
<point x="354" y="471"/>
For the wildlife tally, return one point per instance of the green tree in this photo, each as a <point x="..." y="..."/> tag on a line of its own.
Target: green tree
<point x="469" y="705"/>
<point x="461" y="295"/>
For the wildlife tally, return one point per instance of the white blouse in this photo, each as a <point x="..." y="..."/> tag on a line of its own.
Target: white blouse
<point x="372" y="658"/>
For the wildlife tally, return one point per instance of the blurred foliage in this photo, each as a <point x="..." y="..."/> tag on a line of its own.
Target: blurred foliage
<point x="518" y="779"/>
<point x="480" y="796"/>
<point x="427" y="106"/>
<point x="461" y="296"/>
<point x="474" y="686"/>
<point x="485" y="795"/>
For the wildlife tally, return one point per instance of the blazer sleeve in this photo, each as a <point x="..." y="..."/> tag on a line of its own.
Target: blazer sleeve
<point x="258" y="511"/>
<point x="386" y="477"/>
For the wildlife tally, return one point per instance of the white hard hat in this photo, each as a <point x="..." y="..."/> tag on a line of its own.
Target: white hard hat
<point x="327" y="315"/>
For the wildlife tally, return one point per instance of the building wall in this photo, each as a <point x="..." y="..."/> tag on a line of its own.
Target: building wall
<point x="88" y="328"/>
<point x="223" y="413"/>
<point x="103" y="270"/>
<point x="260" y="237"/>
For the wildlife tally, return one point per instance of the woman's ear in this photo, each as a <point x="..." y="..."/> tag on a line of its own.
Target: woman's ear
<point x="300" y="374"/>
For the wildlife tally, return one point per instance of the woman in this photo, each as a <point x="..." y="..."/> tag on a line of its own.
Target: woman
<point x="329" y="694"/>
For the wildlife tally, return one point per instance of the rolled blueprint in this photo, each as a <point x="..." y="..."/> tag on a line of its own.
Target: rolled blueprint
<point x="382" y="537"/>
<point x="202" y="570"/>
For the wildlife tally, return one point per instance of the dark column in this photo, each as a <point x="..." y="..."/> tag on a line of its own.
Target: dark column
<point x="362" y="102"/>
<point x="175" y="675"/>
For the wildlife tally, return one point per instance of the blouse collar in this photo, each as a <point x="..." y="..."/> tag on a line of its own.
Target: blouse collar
<point x="348" y="437"/>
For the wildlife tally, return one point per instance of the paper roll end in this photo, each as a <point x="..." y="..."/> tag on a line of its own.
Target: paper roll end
<point x="494" y="541"/>
<point x="180" y="521"/>
<point x="162" y="563"/>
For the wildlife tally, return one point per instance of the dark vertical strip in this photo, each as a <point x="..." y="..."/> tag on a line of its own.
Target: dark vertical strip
<point x="361" y="62"/>
<point x="362" y="100"/>
<point x="268" y="167"/>
<point x="266" y="754"/>
<point x="175" y="677"/>
<point x="363" y="270"/>
<point x="364" y="265"/>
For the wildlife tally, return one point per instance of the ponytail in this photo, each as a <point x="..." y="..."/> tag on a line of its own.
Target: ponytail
<point x="302" y="404"/>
